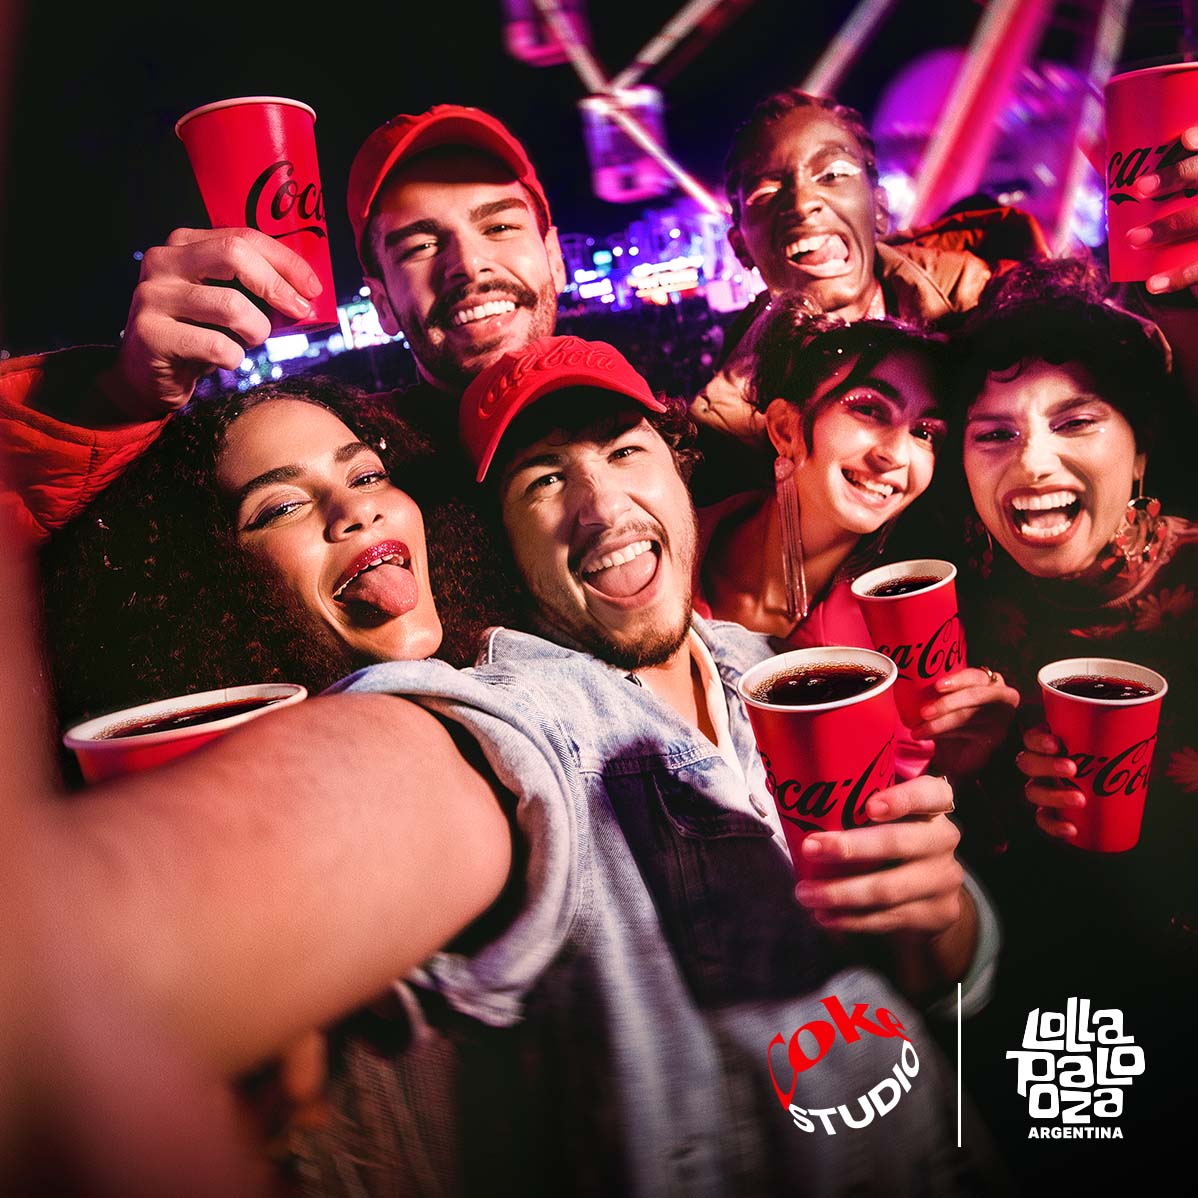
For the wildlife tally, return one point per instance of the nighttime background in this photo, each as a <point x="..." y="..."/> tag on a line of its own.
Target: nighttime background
<point x="95" y="172"/>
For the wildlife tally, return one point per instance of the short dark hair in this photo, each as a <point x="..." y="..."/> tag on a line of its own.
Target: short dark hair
<point x="798" y="348"/>
<point x="370" y="259"/>
<point x="773" y="108"/>
<point x="1056" y="311"/>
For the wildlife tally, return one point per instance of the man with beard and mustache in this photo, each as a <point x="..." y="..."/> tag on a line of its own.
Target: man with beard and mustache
<point x="458" y="249"/>
<point x="571" y="854"/>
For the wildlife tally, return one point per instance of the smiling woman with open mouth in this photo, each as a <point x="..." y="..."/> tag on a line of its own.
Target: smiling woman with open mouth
<point x="854" y="415"/>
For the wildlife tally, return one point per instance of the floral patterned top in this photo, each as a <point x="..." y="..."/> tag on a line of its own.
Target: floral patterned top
<point x="1017" y="623"/>
<point x="1119" y="929"/>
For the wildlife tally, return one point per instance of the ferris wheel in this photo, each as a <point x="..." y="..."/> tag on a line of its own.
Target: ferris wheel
<point x="995" y="108"/>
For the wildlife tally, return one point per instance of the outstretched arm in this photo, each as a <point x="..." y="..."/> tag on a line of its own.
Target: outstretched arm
<point x="283" y="875"/>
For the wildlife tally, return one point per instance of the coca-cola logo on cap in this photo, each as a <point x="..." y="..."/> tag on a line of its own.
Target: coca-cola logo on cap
<point x="276" y="195"/>
<point x="563" y="353"/>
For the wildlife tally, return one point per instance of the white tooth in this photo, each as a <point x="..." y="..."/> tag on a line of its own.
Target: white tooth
<point x="1040" y="534"/>
<point x="620" y="557"/>
<point x="805" y="245"/>
<point x="482" y="311"/>
<point x="884" y="490"/>
<point x="1043" y="503"/>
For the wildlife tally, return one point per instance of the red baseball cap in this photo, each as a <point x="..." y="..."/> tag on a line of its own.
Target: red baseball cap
<point x="507" y="387"/>
<point x="442" y="125"/>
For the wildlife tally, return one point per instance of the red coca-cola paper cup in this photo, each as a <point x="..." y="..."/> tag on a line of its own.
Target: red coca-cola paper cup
<point x="254" y="158"/>
<point x="920" y="630"/>
<point x="138" y="738"/>
<point x="1111" y="739"/>
<point x="823" y="760"/>
<point x="1146" y="113"/>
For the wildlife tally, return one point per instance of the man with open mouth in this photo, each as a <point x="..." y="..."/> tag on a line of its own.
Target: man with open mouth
<point x="808" y="213"/>
<point x="458" y="249"/>
<point x="571" y="855"/>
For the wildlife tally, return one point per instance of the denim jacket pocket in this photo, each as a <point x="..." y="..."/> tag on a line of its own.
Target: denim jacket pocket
<point x="722" y="883"/>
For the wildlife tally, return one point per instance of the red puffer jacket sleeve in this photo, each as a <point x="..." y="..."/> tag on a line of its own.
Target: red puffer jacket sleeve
<point x="49" y="469"/>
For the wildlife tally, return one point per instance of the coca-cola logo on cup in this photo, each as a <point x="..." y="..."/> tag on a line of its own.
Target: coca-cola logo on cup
<point x="1128" y="164"/>
<point x="275" y="195"/>
<point x="809" y="802"/>
<point x="943" y="651"/>
<point x="1125" y="773"/>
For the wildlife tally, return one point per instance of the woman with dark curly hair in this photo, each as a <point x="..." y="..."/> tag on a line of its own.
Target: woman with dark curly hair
<point x="187" y="574"/>
<point x="853" y="413"/>
<point x="1075" y="557"/>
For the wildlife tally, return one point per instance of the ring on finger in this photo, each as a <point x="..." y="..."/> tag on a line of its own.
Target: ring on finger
<point x="993" y="675"/>
<point x="952" y="805"/>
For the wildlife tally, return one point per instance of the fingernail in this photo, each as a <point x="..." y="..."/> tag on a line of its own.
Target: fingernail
<point x="1075" y="800"/>
<point x="812" y="847"/>
<point x="879" y="807"/>
<point x="945" y="684"/>
<point x="315" y="286"/>
<point x="1147" y="184"/>
<point x="1158" y="283"/>
<point x="1189" y="138"/>
<point x="1141" y="235"/>
<point x="303" y="305"/>
<point x="805" y="892"/>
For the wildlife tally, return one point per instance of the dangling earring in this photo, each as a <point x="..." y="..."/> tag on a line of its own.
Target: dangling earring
<point x="792" y="539"/>
<point x="1137" y="539"/>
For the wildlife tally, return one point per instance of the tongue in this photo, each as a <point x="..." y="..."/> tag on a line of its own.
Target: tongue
<point x="1049" y="518"/>
<point x="388" y="588"/>
<point x="833" y="249"/>
<point x="619" y="582"/>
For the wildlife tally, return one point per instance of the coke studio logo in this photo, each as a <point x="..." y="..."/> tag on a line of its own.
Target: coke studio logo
<point x="276" y="196"/>
<point x="1127" y="165"/>
<point x="944" y="650"/>
<point x="809" y="803"/>
<point x="810" y="1044"/>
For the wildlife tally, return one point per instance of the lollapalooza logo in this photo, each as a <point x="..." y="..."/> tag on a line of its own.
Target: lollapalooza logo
<point x="809" y="802"/>
<point x="1074" y="1065"/>
<point x="1126" y="166"/>
<point x="944" y="650"/>
<point x="277" y="204"/>
<point x="809" y="1044"/>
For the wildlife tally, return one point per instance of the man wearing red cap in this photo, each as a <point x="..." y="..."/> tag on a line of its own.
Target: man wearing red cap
<point x="454" y="234"/>
<point x="597" y="900"/>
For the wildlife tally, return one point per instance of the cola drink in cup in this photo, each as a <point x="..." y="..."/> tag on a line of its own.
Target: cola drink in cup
<point x="1105" y="713"/>
<point x="910" y="609"/>
<point x="138" y="738"/>
<point x="254" y="158"/>
<point x="1146" y="113"/>
<point x="825" y="724"/>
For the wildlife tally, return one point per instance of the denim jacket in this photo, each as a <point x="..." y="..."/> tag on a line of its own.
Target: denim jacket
<point x="627" y="1017"/>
